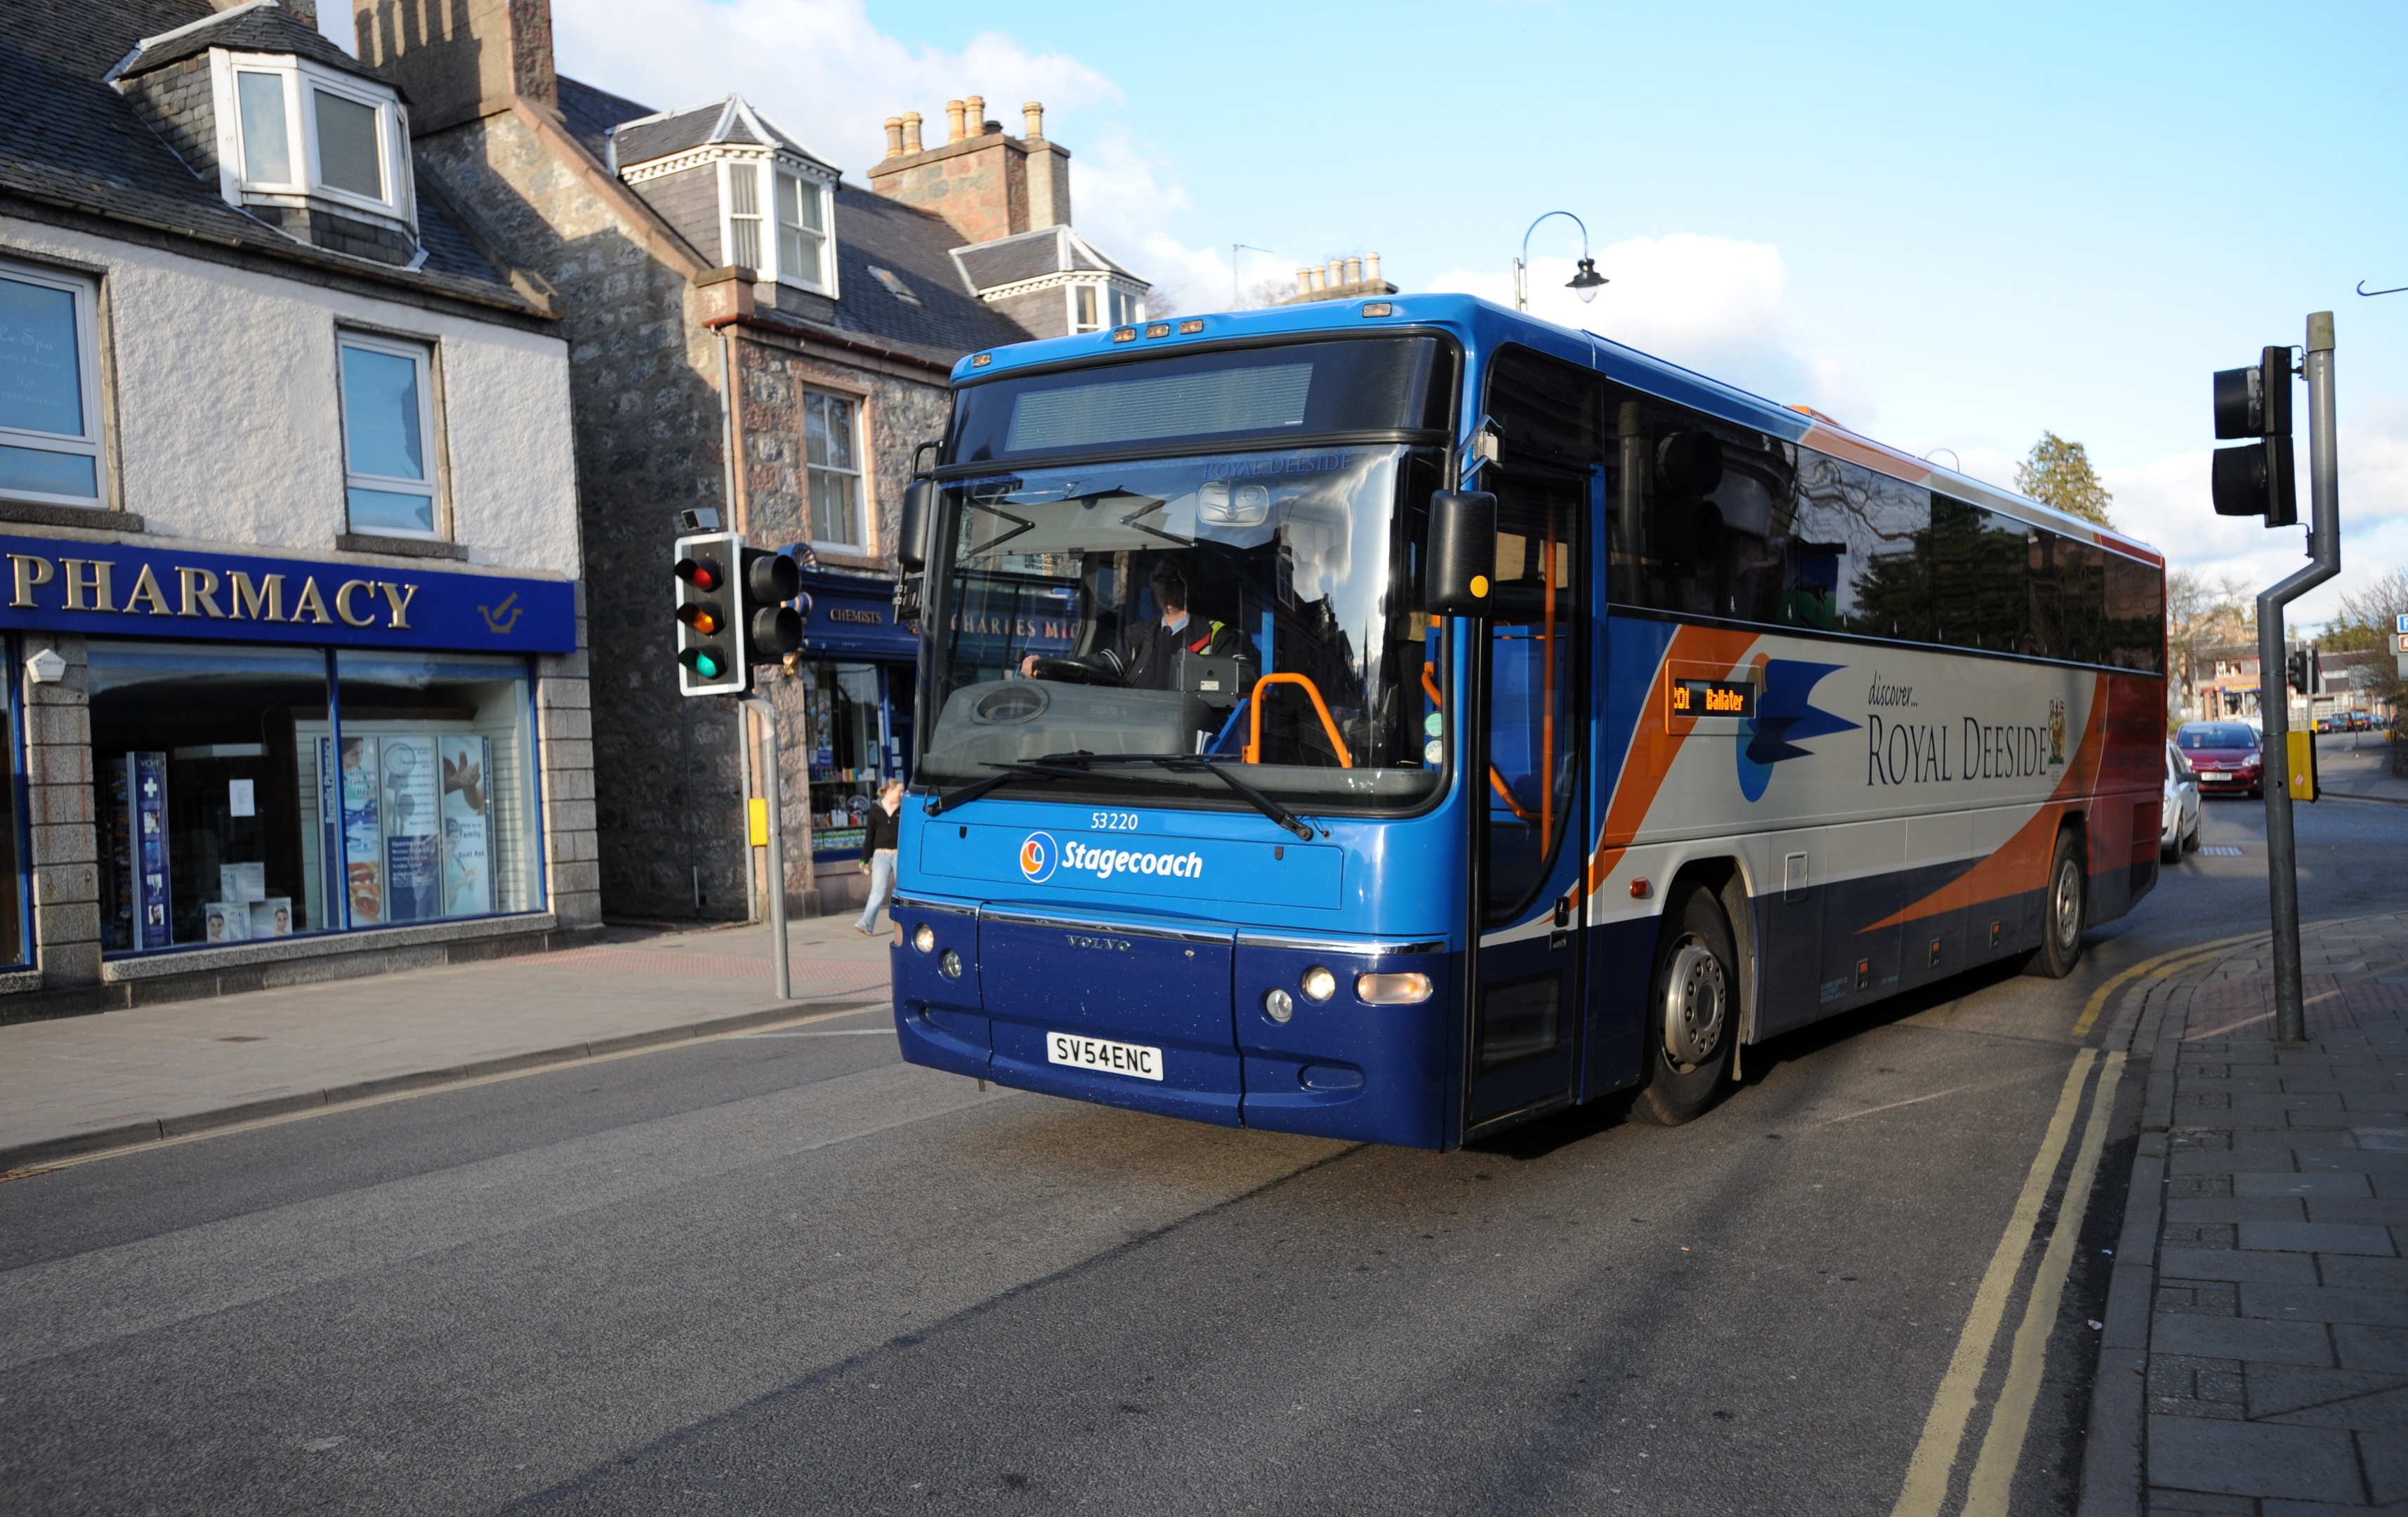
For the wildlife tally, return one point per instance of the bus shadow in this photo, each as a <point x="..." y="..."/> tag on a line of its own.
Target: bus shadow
<point x="1545" y="1136"/>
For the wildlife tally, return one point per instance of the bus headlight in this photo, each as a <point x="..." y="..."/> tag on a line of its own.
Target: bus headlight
<point x="1319" y="984"/>
<point x="1277" y="1005"/>
<point x="923" y="937"/>
<point x="1391" y="990"/>
<point x="949" y="964"/>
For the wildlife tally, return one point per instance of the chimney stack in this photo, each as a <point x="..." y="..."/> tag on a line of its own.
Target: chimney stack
<point x="987" y="184"/>
<point x="457" y="59"/>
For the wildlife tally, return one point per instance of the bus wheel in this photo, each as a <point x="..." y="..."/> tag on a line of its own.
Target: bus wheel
<point x="2061" y="913"/>
<point x="1692" y="1013"/>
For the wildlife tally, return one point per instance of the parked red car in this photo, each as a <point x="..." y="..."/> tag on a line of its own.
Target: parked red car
<point x="2228" y="756"/>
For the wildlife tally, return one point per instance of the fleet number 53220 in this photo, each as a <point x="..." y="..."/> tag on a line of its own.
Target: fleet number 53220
<point x="1115" y="822"/>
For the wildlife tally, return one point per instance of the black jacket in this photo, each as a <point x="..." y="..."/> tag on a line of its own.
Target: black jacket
<point x="1149" y="654"/>
<point x="881" y="830"/>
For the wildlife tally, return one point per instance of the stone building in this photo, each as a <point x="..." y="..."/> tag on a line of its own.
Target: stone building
<point x="688" y="246"/>
<point x="294" y="646"/>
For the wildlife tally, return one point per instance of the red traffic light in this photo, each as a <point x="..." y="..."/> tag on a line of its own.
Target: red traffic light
<point x="701" y="573"/>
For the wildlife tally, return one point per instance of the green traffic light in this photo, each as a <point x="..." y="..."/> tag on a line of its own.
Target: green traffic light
<point x="706" y="666"/>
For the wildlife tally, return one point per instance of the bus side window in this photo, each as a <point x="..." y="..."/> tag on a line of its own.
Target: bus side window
<point x="1701" y="510"/>
<point x="1882" y="529"/>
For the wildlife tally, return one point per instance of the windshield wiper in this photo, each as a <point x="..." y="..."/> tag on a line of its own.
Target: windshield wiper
<point x="1060" y="765"/>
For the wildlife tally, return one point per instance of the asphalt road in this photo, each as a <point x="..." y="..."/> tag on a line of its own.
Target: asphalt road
<point x="787" y="1273"/>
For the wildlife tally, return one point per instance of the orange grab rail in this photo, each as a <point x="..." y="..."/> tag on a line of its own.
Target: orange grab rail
<point x="1496" y="781"/>
<point x="1254" y="753"/>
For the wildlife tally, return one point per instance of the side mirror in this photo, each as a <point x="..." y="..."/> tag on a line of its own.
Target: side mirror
<point x="919" y="509"/>
<point x="1460" y="557"/>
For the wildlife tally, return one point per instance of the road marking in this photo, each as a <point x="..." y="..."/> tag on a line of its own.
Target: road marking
<point x="2089" y="1018"/>
<point x="2002" y="1446"/>
<point x="1943" y="1428"/>
<point x="1892" y="1105"/>
<point x="306" y="1113"/>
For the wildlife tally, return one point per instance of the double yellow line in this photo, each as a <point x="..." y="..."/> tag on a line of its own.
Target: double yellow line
<point x="1929" y="1473"/>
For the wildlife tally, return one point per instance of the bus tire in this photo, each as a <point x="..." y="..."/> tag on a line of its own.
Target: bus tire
<point x="2063" y="907"/>
<point x="1692" y="1019"/>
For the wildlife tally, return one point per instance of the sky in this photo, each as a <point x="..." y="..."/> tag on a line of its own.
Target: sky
<point x="1948" y="228"/>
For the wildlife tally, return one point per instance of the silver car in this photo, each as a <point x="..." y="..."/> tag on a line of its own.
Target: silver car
<point x="2178" y="827"/>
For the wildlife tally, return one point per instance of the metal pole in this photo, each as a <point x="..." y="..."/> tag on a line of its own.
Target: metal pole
<point x="2275" y="700"/>
<point x="775" y="796"/>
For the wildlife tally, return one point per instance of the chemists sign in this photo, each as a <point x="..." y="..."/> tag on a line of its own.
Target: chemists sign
<point x="120" y="590"/>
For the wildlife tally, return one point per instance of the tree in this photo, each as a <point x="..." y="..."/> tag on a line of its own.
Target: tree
<point x="2370" y="617"/>
<point x="2059" y="473"/>
<point x="2201" y="614"/>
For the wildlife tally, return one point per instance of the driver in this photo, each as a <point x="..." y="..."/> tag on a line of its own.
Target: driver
<point x="1148" y="658"/>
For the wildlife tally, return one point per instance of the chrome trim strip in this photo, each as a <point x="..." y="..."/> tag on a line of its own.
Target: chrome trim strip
<point x="1137" y="929"/>
<point x="1360" y="947"/>
<point x="947" y="908"/>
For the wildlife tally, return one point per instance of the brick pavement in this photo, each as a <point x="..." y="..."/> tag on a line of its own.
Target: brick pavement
<point x="76" y="1084"/>
<point x="2261" y="1288"/>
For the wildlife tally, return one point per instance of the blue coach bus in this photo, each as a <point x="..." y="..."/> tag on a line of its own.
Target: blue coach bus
<point x="1398" y="720"/>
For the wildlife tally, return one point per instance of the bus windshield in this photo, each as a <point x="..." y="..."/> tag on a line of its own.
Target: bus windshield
<point x="1248" y="604"/>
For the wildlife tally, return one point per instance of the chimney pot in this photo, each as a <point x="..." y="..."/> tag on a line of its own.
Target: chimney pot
<point x="1303" y="281"/>
<point x="1034" y="114"/>
<point x="1372" y="273"/>
<point x="910" y="131"/>
<point x="1337" y="272"/>
<point x="894" y="136"/>
<point x="953" y="132"/>
<point x="974" y="108"/>
<point x="1354" y="269"/>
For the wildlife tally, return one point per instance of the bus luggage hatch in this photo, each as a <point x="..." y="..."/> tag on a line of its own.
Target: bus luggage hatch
<point x="1129" y="1015"/>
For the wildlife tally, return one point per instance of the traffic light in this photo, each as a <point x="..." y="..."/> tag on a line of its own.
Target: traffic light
<point x="710" y="633"/>
<point x="2256" y="480"/>
<point x="2302" y="671"/>
<point x="771" y="627"/>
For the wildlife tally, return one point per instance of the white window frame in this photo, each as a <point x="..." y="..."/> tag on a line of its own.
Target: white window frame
<point x="1071" y="293"/>
<point x="87" y="339"/>
<point x="768" y="171"/>
<point x="399" y="199"/>
<point x="423" y="354"/>
<point x="859" y="475"/>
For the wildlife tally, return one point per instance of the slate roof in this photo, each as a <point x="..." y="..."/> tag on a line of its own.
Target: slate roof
<point x="591" y="113"/>
<point x="68" y="139"/>
<point x="728" y="119"/>
<point x="1031" y="255"/>
<point x="914" y="246"/>
<point x="262" y="26"/>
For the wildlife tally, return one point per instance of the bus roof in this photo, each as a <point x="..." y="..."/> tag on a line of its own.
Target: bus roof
<point x="1479" y="325"/>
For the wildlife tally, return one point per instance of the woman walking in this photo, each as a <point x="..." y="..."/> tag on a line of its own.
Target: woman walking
<point x="879" y="838"/>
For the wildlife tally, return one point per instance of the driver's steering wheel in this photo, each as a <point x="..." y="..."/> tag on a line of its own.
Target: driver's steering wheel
<point x="1072" y="671"/>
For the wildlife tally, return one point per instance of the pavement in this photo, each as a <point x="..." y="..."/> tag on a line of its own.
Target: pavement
<point x="2255" y="1352"/>
<point x="79" y="1084"/>
<point x="2358" y="765"/>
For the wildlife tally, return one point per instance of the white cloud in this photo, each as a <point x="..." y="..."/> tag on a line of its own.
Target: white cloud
<point x="1716" y="304"/>
<point x="2166" y="503"/>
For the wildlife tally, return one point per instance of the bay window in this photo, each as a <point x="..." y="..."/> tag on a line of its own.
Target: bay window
<point x="792" y="247"/>
<point x="298" y="128"/>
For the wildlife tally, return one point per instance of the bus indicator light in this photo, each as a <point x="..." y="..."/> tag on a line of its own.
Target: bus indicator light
<point x="1639" y="888"/>
<point x="1392" y="989"/>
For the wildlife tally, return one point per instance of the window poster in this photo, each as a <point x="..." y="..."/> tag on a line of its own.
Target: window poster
<point x="146" y="785"/>
<point x="117" y="848"/>
<point x="362" y="834"/>
<point x="467" y="856"/>
<point x="412" y="830"/>
<point x="329" y="882"/>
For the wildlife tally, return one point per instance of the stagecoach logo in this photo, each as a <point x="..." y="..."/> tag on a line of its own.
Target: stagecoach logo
<point x="1039" y="854"/>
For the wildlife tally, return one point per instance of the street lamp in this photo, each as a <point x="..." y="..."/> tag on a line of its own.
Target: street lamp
<point x="1585" y="283"/>
<point x="1234" y="248"/>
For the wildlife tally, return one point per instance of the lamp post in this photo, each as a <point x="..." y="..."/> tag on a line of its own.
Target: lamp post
<point x="1585" y="282"/>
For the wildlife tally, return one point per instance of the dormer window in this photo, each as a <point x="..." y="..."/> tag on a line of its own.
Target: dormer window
<point x="777" y="228"/>
<point x="303" y="130"/>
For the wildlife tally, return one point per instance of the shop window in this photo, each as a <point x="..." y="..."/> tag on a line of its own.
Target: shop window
<point x="236" y="802"/>
<point x="207" y="787"/>
<point x="852" y="752"/>
<point x="388" y="435"/>
<point x="436" y="776"/>
<point x="12" y="828"/>
<point x="833" y="455"/>
<point x="50" y="388"/>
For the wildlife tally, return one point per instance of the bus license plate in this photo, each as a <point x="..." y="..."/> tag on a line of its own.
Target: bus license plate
<point x="1102" y="1054"/>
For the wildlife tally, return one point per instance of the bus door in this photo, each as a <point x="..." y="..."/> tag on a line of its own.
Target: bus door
<point x="1529" y="730"/>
